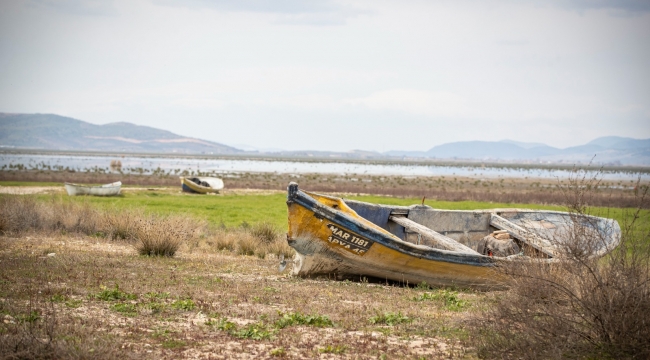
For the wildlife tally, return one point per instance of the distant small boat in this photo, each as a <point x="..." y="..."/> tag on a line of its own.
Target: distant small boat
<point x="353" y="239"/>
<point x="201" y="185"/>
<point x="111" y="189"/>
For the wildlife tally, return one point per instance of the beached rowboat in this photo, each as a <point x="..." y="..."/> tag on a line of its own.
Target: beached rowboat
<point x="201" y="184"/>
<point x="350" y="239"/>
<point x="111" y="189"/>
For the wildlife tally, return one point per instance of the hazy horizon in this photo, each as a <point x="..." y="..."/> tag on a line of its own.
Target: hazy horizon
<point x="333" y="76"/>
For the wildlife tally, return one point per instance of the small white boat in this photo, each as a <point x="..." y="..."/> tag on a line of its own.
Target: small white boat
<point x="111" y="189"/>
<point x="201" y="184"/>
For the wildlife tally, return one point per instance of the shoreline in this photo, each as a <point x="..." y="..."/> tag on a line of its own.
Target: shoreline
<point x="386" y="161"/>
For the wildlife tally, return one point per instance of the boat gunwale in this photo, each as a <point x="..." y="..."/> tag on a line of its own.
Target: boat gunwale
<point x="489" y="211"/>
<point x="393" y="242"/>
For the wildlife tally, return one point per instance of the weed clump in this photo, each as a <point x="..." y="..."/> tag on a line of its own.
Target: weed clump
<point x="114" y="294"/>
<point x="389" y="318"/>
<point x="448" y="298"/>
<point x="279" y="352"/>
<point x="255" y="331"/>
<point x="292" y="319"/>
<point x="185" y="305"/>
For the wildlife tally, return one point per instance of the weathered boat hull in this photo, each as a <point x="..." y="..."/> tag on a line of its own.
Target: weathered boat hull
<point x="112" y="189"/>
<point x="332" y="239"/>
<point x="214" y="185"/>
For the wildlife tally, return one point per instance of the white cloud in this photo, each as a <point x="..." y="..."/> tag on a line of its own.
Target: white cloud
<point x="417" y="102"/>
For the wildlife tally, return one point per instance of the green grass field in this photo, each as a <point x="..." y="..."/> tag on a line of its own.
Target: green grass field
<point x="234" y="209"/>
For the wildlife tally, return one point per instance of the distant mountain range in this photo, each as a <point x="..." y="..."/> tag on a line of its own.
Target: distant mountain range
<point x="54" y="132"/>
<point x="612" y="150"/>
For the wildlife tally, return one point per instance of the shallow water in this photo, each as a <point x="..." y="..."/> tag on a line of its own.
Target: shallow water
<point x="176" y="165"/>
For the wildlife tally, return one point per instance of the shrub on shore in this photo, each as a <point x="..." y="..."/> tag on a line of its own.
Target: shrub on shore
<point x="581" y="307"/>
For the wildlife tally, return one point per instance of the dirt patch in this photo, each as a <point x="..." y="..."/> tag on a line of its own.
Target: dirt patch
<point x="30" y="190"/>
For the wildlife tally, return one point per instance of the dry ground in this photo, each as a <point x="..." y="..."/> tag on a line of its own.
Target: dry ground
<point x="98" y="298"/>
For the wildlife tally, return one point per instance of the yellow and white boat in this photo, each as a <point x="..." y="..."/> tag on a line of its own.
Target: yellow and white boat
<point x="348" y="239"/>
<point x="201" y="184"/>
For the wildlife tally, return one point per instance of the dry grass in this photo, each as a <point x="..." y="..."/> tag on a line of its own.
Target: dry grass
<point x="207" y="304"/>
<point x="246" y="241"/>
<point x="153" y="235"/>
<point x="23" y="213"/>
<point x="581" y="307"/>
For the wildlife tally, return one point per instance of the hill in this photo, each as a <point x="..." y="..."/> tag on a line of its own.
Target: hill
<point x="54" y="132"/>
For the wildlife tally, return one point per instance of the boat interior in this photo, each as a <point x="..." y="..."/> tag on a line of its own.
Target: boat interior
<point x="497" y="232"/>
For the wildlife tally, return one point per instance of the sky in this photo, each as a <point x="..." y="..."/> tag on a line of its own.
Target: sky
<point x="336" y="76"/>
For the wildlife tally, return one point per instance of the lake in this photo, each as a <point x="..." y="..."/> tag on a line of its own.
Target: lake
<point x="176" y="165"/>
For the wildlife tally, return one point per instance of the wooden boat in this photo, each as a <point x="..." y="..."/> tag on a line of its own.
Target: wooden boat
<point x="341" y="238"/>
<point x="111" y="189"/>
<point x="201" y="184"/>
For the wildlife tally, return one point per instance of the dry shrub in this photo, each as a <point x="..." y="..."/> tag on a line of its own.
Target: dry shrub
<point x="265" y="232"/>
<point x="247" y="244"/>
<point x="162" y="236"/>
<point x="225" y="240"/>
<point x="119" y="225"/>
<point x="581" y="306"/>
